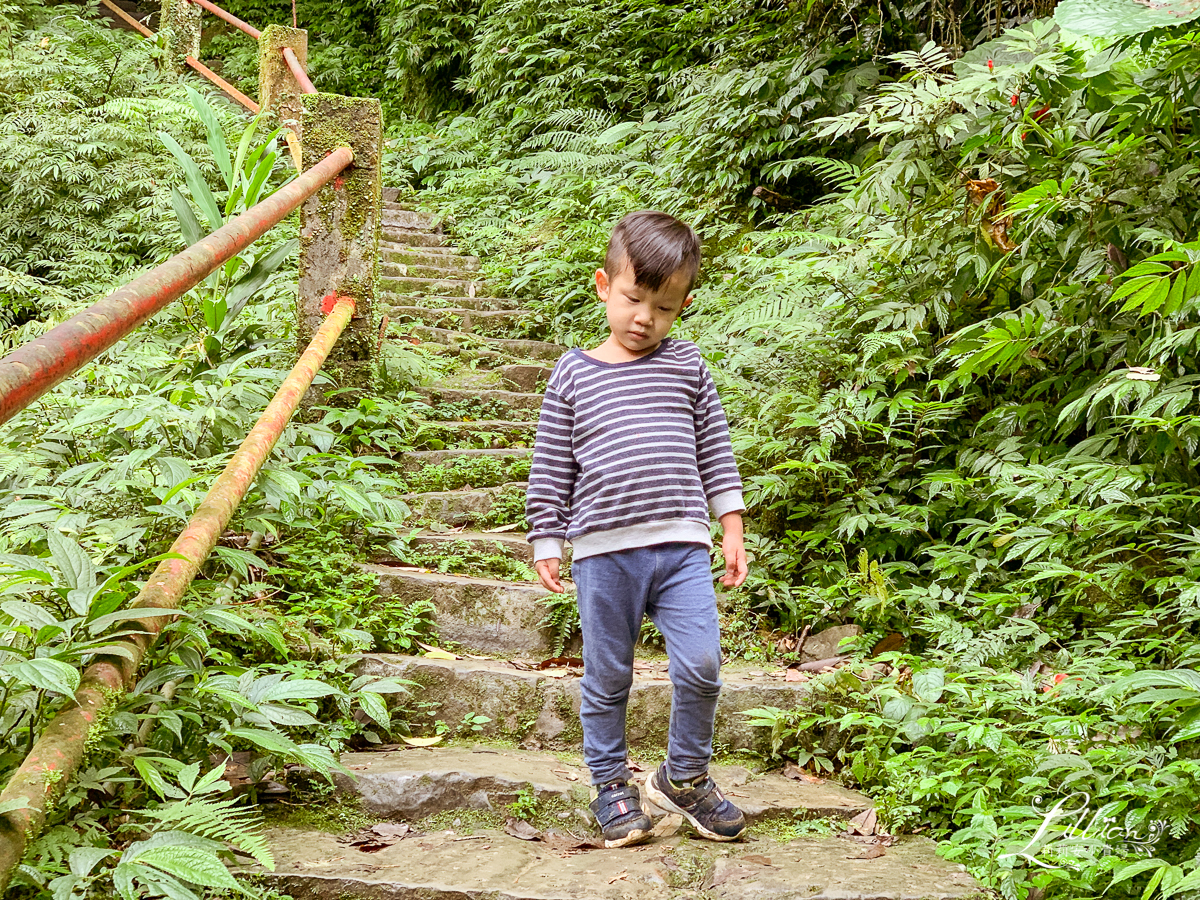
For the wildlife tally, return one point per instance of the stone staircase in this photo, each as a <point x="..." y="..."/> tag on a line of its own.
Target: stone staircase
<point x="522" y="759"/>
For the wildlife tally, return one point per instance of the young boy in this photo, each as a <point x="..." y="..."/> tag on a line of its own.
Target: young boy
<point x="632" y="452"/>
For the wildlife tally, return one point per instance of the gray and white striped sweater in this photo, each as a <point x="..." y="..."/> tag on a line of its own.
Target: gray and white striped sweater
<point x="630" y="454"/>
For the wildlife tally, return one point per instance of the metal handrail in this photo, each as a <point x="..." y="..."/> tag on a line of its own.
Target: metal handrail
<point x="59" y="751"/>
<point x="222" y="84"/>
<point x="306" y="86"/>
<point x="127" y="18"/>
<point x="229" y="17"/>
<point x="37" y="366"/>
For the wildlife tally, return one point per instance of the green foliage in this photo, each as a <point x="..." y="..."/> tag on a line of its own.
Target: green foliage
<point x="84" y="186"/>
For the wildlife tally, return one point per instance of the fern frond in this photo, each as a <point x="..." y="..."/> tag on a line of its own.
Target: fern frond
<point x="220" y="820"/>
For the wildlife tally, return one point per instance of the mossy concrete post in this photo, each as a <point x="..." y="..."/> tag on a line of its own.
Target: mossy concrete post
<point x="180" y="24"/>
<point x="278" y="92"/>
<point x="339" y="231"/>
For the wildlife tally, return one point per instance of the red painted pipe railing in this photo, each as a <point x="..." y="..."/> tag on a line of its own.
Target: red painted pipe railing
<point x="222" y="83"/>
<point x="59" y="751"/>
<point x="36" y="367"/>
<point x="306" y="86"/>
<point x="229" y="17"/>
<point x="127" y="18"/>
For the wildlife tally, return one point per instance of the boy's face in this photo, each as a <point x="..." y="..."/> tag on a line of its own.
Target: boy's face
<point x="638" y="316"/>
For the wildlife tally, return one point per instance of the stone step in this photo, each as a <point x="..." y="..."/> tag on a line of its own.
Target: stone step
<point x="415" y="460"/>
<point x="495" y="434"/>
<point x="391" y="268"/>
<point x="522" y="349"/>
<point x="539" y="710"/>
<point x="525" y="378"/>
<point x="433" y="302"/>
<point x="443" y="287"/>
<point x="485" y="615"/>
<point x="482" y="402"/>
<point x="468" y="321"/>
<point x="395" y="216"/>
<point x="390" y="194"/>
<point x="489" y="864"/>
<point x="479" y="543"/>
<point x="412" y="784"/>
<point x="468" y="506"/>
<point x="397" y="253"/>
<point x="441" y="251"/>
<point x="410" y="238"/>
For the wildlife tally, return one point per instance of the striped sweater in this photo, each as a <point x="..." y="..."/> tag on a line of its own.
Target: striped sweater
<point x="630" y="454"/>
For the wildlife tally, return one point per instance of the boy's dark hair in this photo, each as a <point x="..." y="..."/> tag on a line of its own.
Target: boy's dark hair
<point x="656" y="245"/>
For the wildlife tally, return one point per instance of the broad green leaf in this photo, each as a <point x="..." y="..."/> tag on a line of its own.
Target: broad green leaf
<point x="7" y="806"/>
<point x="73" y="562"/>
<point x="297" y="689"/>
<point x="253" y="280"/>
<point x="98" y="624"/>
<point x="83" y="859"/>
<point x="29" y="614"/>
<point x="45" y="674"/>
<point x="928" y="684"/>
<point x="1122" y="18"/>
<point x="202" y="195"/>
<point x="189" y="226"/>
<point x="215" y="134"/>
<point x="374" y="706"/>
<point x="190" y="864"/>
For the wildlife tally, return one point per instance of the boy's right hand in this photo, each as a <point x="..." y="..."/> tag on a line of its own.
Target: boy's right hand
<point x="547" y="572"/>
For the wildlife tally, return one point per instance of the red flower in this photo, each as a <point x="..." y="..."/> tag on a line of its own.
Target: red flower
<point x="991" y="65"/>
<point x="1015" y="99"/>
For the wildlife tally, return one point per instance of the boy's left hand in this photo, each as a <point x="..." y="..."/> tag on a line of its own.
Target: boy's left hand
<point x="733" y="548"/>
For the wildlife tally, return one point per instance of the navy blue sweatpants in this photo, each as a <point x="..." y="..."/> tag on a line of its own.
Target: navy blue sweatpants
<point x="673" y="585"/>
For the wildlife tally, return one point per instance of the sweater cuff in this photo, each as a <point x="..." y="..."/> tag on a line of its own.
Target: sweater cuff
<point x="726" y="502"/>
<point x="547" y="548"/>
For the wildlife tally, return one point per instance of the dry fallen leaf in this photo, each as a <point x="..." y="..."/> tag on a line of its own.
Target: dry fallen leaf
<point x="519" y="828"/>
<point x="794" y="675"/>
<point x="756" y="858"/>
<point x="794" y="772"/>
<point x="423" y="741"/>
<point x="873" y="852"/>
<point x="864" y="823"/>
<point x="563" y="773"/>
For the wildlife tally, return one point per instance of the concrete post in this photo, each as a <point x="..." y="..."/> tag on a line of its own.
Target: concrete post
<point x="278" y="91"/>
<point x="180" y="21"/>
<point x="339" y="231"/>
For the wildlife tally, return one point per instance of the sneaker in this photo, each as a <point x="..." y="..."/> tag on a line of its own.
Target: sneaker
<point x="618" y="809"/>
<point x="699" y="801"/>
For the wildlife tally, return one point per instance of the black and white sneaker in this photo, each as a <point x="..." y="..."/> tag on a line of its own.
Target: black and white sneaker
<point x="618" y="809"/>
<point x="699" y="801"/>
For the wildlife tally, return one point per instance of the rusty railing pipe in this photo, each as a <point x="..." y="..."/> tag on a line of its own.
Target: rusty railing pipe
<point x="127" y="18"/>
<point x="222" y="83"/>
<point x="306" y="86"/>
<point x="229" y="17"/>
<point x="37" y="366"/>
<point x="59" y="751"/>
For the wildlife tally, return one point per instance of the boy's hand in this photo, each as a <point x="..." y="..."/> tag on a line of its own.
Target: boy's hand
<point x="733" y="548"/>
<point x="547" y="573"/>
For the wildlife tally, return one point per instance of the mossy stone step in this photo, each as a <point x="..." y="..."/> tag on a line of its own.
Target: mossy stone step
<point x="489" y="864"/>
<point x="427" y="301"/>
<point x="513" y="347"/>
<point x="485" y="398"/>
<point x="492" y="322"/>
<point x="525" y="378"/>
<point x="438" y="251"/>
<point x="482" y="434"/>
<point x="443" y="287"/>
<point x="539" y="710"/>
<point x="390" y="268"/>
<point x="395" y="216"/>
<point x="510" y="544"/>
<point x="407" y="237"/>
<point x="415" y="460"/>
<point x="412" y="784"/>
<point x="466" y="506"/>
<point x="395" y="253"/>
<point x="485" y="615"/>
